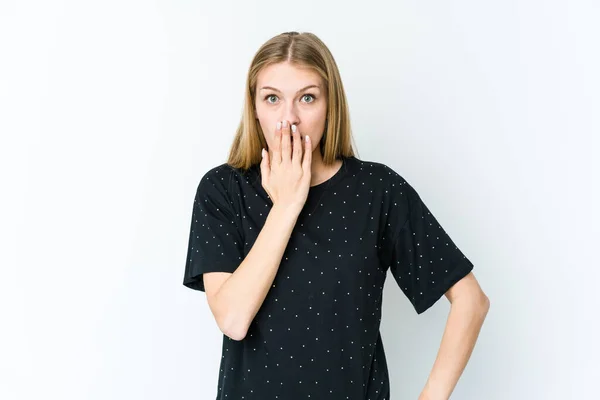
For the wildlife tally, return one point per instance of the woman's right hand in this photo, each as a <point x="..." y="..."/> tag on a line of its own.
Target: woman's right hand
<point x="286" y="169"/>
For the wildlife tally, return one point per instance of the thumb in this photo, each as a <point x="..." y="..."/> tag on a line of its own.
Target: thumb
<point x="264" y="163"/>
<point x="265" y="172"/>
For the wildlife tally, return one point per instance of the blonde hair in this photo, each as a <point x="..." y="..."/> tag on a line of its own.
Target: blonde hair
<point x="304" y="50"/>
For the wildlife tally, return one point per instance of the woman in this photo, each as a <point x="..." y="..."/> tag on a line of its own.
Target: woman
<point x="292" y="238"/>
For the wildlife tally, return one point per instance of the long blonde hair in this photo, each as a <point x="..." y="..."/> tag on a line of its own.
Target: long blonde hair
<point x="306" y="50"/>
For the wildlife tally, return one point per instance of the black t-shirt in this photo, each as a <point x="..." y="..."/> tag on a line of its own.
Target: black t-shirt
<point x="316" y="335"/>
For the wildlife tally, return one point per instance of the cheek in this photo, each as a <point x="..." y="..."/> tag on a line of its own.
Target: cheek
<point x="267" y="124"/>
<point x="264" y="113"/>
<point x="316" y="116"/>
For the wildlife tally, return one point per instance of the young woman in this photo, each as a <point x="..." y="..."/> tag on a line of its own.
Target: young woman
<point x="292" y="238"/>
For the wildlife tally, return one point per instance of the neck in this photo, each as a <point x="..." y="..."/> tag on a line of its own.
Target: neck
<point x="319" y="171"/>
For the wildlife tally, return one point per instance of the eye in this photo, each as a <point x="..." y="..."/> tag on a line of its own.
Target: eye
<point x="311" y="96"/>
<point x="267" y="97"/>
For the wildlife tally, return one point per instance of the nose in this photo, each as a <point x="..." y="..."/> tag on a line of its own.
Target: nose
<point x="290" y="114"/>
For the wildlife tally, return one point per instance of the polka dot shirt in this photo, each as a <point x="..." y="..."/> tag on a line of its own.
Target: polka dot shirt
<point x="316" y="335"/>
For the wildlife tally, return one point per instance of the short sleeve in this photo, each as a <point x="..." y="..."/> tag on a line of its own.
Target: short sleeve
<point x="215" y="242"/>
<point x="425" y="262"/>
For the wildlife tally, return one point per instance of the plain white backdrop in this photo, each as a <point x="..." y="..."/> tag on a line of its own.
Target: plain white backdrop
<point x="110" y="113"/>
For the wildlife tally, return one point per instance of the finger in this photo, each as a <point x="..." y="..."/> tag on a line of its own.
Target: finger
<point x="297" y="146"/>
<point x="286" y="143"/>
<point x="265" y="169"/>
<point x="264" y="163"/>
<point x="276" y="156"/>
<point x="307" y="160"/>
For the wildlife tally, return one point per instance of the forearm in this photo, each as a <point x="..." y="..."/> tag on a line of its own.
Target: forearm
<point x="460" y="335"/>
<point x="242" y="294"/>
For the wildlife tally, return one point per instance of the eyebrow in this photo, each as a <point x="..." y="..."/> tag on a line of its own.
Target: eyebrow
<point x="301" y="90"/>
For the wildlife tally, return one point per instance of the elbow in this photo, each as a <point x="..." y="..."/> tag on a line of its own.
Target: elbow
<point x="233" y="328"/>
<point x="236" y="335"/>
<point x="476" y="304"/>
<point x="231" y="322"/>
<point x="484" y="304"/>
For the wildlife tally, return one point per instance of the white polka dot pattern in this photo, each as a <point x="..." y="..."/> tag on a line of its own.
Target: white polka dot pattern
<point x="316" y="335"/>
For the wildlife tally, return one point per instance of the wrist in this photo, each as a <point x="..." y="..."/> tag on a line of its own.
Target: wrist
<point x="427" y="395"/>
<point x="286" y="211"/>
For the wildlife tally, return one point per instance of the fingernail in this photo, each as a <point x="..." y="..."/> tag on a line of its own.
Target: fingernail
<point x="307" y="139"/>
<point x="279" y="125"/>
<point x="262" y="153"/>
<point x="294" y="128"/>
<point x="285" y="124"/>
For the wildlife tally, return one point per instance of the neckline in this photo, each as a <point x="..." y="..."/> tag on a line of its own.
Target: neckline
<point x="320" y="187"/>
<point x="316" y="189"/>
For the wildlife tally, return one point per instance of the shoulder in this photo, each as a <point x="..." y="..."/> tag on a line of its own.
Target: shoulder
<point x="380" y="174"/>
<point x="222" y="184"/>
<point x="224" y="178"/>
<point x="219" y="174"/>
<point x="392" y="188"/>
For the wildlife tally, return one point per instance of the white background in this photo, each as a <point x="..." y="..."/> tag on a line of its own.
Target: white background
<point x="110" y="112"/>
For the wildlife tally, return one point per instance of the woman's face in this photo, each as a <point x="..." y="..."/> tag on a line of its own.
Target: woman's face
<point x="287" y="92"/>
